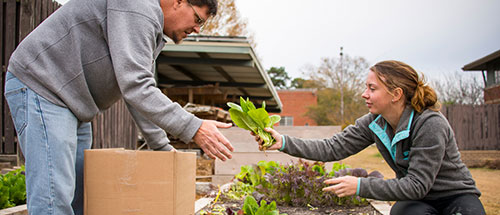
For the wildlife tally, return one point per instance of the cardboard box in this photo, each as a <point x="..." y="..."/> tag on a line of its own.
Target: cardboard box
<point x="119" y="181"/>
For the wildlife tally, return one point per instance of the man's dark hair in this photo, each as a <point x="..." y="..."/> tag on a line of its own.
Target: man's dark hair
<point x="211" y="4"/>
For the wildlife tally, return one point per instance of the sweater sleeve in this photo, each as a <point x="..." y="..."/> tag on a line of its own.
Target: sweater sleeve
<point x="132" y="39"/>
<point x="155" y="137"/>
<point x="426" y="156"/>
<point x="350" y="141"/>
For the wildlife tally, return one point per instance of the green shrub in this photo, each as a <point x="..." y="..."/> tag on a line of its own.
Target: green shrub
<point x="13" y="188"/>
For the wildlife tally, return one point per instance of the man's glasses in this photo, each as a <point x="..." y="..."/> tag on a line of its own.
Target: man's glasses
<point x="200" y="21"/>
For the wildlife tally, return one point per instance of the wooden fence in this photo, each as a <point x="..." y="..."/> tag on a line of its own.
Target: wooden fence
<point x="17" y="19"/>
<point x="113" y="128"/>
<point x="475" y="127"/>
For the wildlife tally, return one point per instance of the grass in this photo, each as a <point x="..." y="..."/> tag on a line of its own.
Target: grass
<point x="486" y="179"/>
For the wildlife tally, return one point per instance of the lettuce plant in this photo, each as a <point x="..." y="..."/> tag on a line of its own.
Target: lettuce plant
<point x="250" y="207"/>
<point x="249" y="177"/>
<point x="248" y="117"/>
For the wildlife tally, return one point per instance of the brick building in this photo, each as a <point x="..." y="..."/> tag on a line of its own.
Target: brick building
<point x="295" y="103"/>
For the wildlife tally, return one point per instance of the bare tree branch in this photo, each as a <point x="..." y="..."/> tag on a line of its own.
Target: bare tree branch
<point x="459" y="88"/>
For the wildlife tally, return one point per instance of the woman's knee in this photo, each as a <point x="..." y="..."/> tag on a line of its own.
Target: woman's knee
<point x="466" y="204"/>
<point x="412" y="208"/>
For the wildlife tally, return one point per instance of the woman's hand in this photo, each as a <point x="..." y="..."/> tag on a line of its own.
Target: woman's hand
<point x="276" y="136"/>
<point x="342" y="186"/>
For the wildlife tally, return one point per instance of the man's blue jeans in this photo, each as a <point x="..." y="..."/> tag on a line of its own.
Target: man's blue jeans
<point x="52" y="140"/>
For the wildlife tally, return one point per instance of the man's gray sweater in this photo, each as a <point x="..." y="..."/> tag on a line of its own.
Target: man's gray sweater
<point x="423" y="153"/>
<point x="90" y="53"/>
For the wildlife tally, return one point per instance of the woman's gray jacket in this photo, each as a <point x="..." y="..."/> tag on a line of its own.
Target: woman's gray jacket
<point x="422" y="152"/>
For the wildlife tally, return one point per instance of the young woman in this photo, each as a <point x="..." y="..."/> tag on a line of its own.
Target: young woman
<point x="414" y="138"/>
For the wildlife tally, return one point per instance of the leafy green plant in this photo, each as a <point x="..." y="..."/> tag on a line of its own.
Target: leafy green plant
<point x="249" y="177"/>
<point x="13" y="188"/>
<point x="301" y="184"/>
<point x="297" y="184"/>
<point x="248" y="117"/>
<point x="245" y="182"/>
<point x="239" y="190"/>
<point x="268" y="167"/>
<point x="336" y="167"/>
<point x="251" y="207"/>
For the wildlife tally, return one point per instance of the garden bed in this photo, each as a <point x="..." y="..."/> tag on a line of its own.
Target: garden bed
<point x="296" y="188"/>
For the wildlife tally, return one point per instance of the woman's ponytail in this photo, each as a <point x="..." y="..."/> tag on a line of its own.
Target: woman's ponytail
<point x="424" y="98"/>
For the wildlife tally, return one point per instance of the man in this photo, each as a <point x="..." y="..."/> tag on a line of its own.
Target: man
<point x="81" y="60"/>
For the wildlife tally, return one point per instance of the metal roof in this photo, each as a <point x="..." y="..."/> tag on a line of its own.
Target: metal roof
<point x="216" y="65"/>
<point x="485" y="63"/>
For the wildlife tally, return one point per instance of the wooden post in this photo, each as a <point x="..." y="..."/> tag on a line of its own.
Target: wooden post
<point x="190" y="95"/>
<point x="26" y="18"/>
<point x="9" y="46"/>
<point x="38" y="12"/>
<point x="3" y="68"/>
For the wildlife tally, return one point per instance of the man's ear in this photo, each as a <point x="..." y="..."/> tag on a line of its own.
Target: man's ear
<point x="397" y="94"/>
<point x="177" y="3"/>
<point x="168" y="5"/>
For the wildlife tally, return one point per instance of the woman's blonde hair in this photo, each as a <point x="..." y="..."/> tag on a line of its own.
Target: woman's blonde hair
<point x="394" y="74"/>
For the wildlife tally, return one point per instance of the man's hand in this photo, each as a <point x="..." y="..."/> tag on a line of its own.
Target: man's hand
<point x="342" y="186"/>
<point x="276" y="136"/>
<point x="212" y="142"/>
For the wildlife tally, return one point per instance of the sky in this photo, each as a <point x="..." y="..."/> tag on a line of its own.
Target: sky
<point x="436" y="37"/>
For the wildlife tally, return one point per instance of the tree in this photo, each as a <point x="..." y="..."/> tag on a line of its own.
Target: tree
<point x="457" y="88"/>
<point x="327" y="110"/>
<point x="327" y="79"/>
<point x="298" y="83"/>
<point x="228" y="22"/>
<point x="279" y="77"/>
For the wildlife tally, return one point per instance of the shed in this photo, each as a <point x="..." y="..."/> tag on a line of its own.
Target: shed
<point x="213" y="70"/>
<point x="489" y="64"/>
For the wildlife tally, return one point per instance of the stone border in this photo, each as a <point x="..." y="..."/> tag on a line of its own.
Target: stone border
<point x="382" y="207"/>
<point x="18" y="210"/>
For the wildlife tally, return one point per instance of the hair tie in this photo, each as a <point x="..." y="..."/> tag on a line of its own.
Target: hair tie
<point x="420" y="84"/>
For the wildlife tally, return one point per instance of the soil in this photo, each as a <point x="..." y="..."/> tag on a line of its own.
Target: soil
<point x="339" y="210"/>
<point x="290" y="210"/>
<point x="487" y="183"/>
